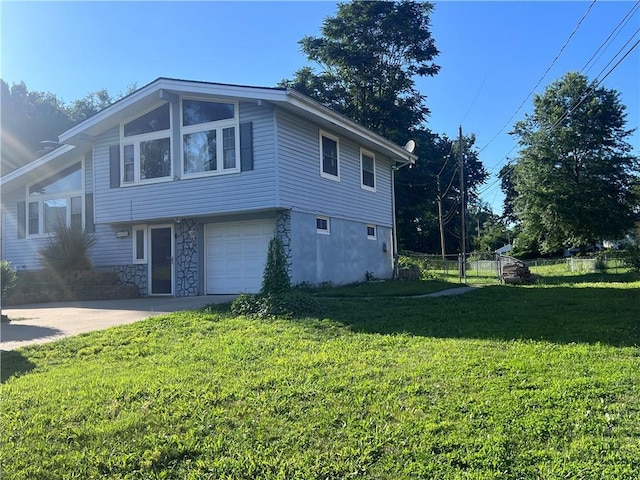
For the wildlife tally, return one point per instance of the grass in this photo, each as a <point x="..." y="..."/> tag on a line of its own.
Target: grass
<point x="387" y="288"/>
<point x="537" y="382"/>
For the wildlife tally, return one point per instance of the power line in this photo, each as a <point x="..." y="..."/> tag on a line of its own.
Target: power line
<point x="596" y="83"/>
<point x="583" y="96"/>
<point x="609" y="39"/>
<point x="586" y="91"/>
<point x="543" y="75"/>
<point x="474" y="100"/>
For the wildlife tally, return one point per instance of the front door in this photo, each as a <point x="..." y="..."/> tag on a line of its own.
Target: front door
<point x="161" y="260"/>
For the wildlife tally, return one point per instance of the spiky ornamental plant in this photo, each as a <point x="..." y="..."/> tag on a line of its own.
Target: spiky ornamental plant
<point x="275" y="280"/>
<point x="68" y="249"/>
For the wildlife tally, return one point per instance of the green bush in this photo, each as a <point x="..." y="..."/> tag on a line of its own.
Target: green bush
<point x="631" y="257"/>
<point x="68" y="249"/>
<point x="276" y="298"/>
<point x="288" y="305"/>
<point x="600" y="264"/>
<point x="8" y="277"/>
<point x="275" y="280"/>
<point x="423" y="267"/>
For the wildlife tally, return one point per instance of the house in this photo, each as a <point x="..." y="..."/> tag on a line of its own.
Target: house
<point x="503" y="250"/>
<point x="184" y="183"/>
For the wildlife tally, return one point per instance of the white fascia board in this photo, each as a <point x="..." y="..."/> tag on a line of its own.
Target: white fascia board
<point x="78" y="131"/>
<point x="301" y="101"/>
<point x="17" y="175"/>
<point x="223" y="90"/>
<point x="151" y="94"/>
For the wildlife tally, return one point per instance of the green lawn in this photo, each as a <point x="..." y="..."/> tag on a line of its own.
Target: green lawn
<point x="387" y="288"/>
<point x="506" y="382"/>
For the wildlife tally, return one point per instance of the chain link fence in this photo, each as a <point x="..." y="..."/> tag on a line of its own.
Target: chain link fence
<point x="472" y="268"/>
<point x="486" y="267"/>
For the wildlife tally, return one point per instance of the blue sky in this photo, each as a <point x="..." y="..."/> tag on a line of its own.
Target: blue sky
<point x="492" y="53"/>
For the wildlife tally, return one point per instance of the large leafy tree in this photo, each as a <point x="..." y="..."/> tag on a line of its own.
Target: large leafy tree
<point x="572" y="182"/>
<point x="368" y="55"/>
<point x="29" y="117"/>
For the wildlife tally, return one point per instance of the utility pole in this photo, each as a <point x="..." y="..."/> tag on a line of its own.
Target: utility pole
<point x="440" y="220"/>
<point x="463" y="235"/>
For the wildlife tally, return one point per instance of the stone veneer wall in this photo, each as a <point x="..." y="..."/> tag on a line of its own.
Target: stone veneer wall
<point x="283" y="230"/>
<point x="134" y="275"/>
<point x="187" y="258"/>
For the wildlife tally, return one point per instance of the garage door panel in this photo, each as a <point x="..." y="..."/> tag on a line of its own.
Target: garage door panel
<point x="236" y="255"/>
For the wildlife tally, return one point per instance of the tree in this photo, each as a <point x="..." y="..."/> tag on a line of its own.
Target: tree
<point x="28" y="118"/>
<point x="93" y="102"/>
<point x="572" y="182"/>
<point x="369" y="54"/>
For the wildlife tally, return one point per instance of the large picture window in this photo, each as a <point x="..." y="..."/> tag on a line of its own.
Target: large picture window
<point x="56" y="200"/>
<point x="146" y="146"/>
<point x="210" y="142"/>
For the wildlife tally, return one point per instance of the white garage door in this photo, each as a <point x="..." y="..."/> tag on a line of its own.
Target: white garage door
<point x="236" y="255"/>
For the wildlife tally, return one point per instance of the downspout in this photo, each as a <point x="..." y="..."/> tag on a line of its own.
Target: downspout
<point x="394" y="169"/>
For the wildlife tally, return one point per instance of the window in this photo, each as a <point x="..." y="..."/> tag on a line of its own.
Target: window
<point x="146" y="146"/>
<point x="210" y="143"/>
<point x="76" y="213"/>
<point x="54" y="200"/>
<point x="139" y="244"/>
<point x="368" y="170"/>
<point x="329" y="156"/>
<point x="322" y="225"/>
<point x="34" y="218"/>
<point x="371" y="232"/>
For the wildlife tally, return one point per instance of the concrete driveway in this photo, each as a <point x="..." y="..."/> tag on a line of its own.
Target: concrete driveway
<point x="46" y="322"/>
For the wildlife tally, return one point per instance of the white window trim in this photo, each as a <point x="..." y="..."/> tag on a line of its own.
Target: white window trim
<point x="375" y="180"/>
<point x="375" y="232"/>
<point x="40" y="199"/>
<point x="323" y="174"/>
<point x="134" y="229"/>
<point x="135" y="140"/>
<point x="323" y="231"/>
<point x="218" y="126"/>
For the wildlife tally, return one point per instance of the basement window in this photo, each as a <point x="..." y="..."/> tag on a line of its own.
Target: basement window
<point x="371" y="232"/>
<point x="322" y="225"/>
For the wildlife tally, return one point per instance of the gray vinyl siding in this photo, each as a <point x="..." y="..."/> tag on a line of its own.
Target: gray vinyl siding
<point x="110" y="250"/>
<point x="191" y="197"/>
<point x="302" y="188"/>
<point x="344" y="256"/>
<point x="21" y="252"/>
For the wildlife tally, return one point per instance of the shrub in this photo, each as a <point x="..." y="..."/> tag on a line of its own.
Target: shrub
<point x="8" y="277"/>
<point x="275" y="280"/>
<point x="419" y="268"/>
<point x="631" y="257"/>
<point x="68" y="249"/>
<point x="600" y="264"/>
<point x="288" y="305"/>
<point x="276" y="298"/>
